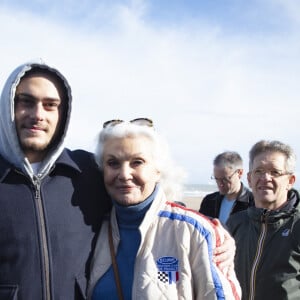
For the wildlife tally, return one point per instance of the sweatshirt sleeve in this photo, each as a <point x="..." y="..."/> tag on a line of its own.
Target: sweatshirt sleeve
<point x="209" y="281"/>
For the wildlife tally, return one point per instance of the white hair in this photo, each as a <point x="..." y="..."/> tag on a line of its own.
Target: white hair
<point x="171" y="175"/>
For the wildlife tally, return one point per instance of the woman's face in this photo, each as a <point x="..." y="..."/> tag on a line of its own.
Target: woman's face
<point x="130" y="174"/>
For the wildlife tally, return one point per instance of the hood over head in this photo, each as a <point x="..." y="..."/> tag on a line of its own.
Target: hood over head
<point x="9" y="144"/>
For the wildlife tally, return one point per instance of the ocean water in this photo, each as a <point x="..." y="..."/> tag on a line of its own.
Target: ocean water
<point x="198" y="190"/>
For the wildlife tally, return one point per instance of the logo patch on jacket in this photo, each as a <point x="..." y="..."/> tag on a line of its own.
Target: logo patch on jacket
<point x="167" y="269"/>
<point x="285" y="232"/>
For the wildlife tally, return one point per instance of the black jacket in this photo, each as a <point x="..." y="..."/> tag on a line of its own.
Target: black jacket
<point x="267" y="261"/>
<point x="47" y="229"/>
<point x="48" y="220"/>
<point x="211" y="203"/>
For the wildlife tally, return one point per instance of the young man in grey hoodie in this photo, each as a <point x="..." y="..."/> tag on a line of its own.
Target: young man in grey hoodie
<point x="51" y="199"/>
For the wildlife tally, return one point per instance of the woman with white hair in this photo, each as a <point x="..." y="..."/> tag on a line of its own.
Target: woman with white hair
<point x="151" y="247"/>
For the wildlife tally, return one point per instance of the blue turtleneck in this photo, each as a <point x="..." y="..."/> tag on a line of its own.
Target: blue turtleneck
<point x="129" y="219"/>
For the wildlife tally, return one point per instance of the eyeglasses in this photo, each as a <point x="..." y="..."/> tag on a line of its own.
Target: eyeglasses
<point x="224" y="179"/>
<point x="258" y="173"/>
<point x="138" y="121"/>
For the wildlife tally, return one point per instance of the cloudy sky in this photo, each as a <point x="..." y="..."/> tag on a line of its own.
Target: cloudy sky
<point x="214" y="75"/>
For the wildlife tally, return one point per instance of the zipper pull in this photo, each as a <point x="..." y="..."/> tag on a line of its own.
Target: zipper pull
<point x="265" y="215"/>
<point x="37" y="184"/>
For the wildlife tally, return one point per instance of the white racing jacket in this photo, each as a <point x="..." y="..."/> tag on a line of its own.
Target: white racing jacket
<point x="174" y="259"/>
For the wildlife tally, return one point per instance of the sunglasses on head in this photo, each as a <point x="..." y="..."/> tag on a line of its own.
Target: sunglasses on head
<point x="138" y="121"/>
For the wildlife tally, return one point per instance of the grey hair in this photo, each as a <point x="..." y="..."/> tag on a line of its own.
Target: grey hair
<point x="171" y="175"/>
<point x="274" y="146"/>
<point x="229" y="159"/>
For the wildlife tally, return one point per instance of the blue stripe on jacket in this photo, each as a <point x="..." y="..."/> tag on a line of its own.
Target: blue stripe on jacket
<point x="207" y="235"/>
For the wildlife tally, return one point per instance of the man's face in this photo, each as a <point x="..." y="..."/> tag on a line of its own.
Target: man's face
<point x="227" y="179"/>
<point x="38" y="111"/>
<point x="269" y="180"/>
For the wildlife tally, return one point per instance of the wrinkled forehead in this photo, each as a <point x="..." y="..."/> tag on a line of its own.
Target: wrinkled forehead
<point x="275" y="158"/>
<point x="129" y="147"/>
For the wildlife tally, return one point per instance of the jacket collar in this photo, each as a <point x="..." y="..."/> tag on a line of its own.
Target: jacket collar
<point x="64" y="160"/>
<point x="271" y="216"/>
<point x="242" y="195"/>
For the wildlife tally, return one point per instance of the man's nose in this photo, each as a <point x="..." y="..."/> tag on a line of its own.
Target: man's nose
<point x="38" y="111"/>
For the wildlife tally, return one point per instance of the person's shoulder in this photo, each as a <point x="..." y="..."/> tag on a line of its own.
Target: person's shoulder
<point x="178" y="208"/>
<point x="239" y="215"/>
<point x="211" y="196"/>
<point x="238" y="218"/>
<point x="80" y="155"/>
<point x="79" y="152"/>
<point x="189" y="215"/>
<point x="209" y="201"/>
<point x="190" y="223"/>
<point x="83" y="159"/>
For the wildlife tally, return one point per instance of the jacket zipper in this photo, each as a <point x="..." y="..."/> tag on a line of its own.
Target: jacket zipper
<point x="259" y="249"/>
<point x="45" y="254"/>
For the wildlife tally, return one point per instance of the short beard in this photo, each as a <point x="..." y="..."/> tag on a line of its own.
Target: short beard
<point x="35" y="150"/>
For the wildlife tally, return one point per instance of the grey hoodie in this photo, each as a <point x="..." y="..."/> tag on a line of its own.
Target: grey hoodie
<point x="9" y="145"/>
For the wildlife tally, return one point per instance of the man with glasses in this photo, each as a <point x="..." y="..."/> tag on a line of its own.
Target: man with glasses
<point x="232" y="196"/>
<point x="267" y="235"/>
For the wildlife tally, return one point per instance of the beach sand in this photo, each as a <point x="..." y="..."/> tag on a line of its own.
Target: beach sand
<point x="192" y="202"/>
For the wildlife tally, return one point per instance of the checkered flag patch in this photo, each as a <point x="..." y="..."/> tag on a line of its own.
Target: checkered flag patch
<point x="167" y="269"/>
<point x="163" y="276"/>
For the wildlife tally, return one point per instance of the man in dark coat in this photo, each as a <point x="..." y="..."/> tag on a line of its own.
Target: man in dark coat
<point x="51" y="199"/>
<point x="232" y="196"/>
<point x="267" y="235"/>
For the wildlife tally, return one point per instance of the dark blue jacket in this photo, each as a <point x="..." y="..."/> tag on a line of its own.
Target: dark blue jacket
<point x="48" y="216"/>
<point x="47" y="229"/>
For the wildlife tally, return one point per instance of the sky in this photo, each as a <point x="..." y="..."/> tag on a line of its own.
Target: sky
<point x="214" y="75"/>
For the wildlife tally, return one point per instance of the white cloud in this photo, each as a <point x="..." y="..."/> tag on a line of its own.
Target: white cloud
<point x="206" y="90"/>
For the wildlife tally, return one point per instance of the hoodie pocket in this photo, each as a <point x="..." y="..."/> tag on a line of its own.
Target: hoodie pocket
<point x="8" y="292"/>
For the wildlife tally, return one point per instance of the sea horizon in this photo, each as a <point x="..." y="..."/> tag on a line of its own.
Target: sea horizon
<point x="198" y="190"/>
